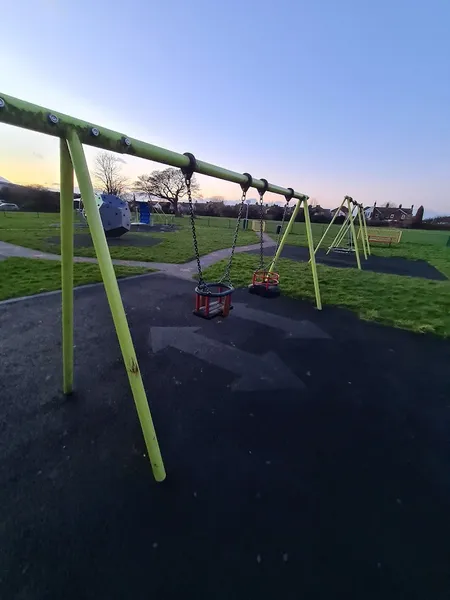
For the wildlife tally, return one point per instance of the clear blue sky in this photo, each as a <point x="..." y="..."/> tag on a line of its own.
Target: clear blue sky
<point x="329" y="97"/>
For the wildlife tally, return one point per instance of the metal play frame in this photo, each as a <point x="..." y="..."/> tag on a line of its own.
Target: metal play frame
<point x="348" y="227"/>
<point x="73" y="133"/>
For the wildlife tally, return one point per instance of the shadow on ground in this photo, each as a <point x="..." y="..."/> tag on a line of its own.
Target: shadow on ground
<point x="339" y="489"/>
<point x="393" y="265"/>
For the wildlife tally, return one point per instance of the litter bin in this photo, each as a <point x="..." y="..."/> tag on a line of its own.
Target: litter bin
<point x="278" y="229"/>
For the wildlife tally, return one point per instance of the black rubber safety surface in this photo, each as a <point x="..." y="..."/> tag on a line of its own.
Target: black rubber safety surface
<point x="393" y="265"/>
<point x="307" y="454"/>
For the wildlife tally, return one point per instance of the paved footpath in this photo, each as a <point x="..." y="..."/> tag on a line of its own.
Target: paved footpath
<point x="182" y="271"/>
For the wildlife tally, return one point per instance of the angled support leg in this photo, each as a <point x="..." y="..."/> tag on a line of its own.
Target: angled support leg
<point x="312" y="256"/>
<point x="363" y="234"/>
<point x="355" y="241"/>
<point x="115" y="304"/>
<point x="66" y="216"/>
<point x="285" y="236"/>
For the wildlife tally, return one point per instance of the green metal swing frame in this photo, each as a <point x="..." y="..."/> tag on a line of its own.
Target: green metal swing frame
<point x="73" y="133"/>
<point x="348" y="226"/>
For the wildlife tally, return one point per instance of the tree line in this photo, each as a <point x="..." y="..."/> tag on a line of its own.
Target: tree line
<point x="168" y="187"/>
<point x="32" y="198"/>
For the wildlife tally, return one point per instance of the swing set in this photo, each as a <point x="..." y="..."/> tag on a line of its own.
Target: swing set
<point x="210" y="297"/>
<point x="347" y="232"/>
<point x="213" y="299"/>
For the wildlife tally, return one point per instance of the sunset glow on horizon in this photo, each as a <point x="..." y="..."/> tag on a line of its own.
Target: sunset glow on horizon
<point x="368" y="119"/>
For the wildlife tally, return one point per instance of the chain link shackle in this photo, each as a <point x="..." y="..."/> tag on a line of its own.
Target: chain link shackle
<point x="188" y="172"/>
<point x="245" y="187"/>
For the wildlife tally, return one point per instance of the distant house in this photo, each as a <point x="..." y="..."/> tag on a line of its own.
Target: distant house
<point x="319" y="211"/>
<point x="343" y="211"/>
<point x="389" y="214"/>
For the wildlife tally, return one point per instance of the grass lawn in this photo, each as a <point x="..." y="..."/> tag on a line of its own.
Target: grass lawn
<point x="436" y="254"/>
<point x="420" y="236"/>
<point x="411" y="303"/>
<point x="418" y="304"/>
<point x="26" y="276"/>
<point x="175" y="247"/>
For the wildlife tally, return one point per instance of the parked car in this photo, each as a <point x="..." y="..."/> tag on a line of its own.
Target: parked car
<point x="8" y="206"/>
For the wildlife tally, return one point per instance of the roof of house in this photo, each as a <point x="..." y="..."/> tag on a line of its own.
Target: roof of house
<point x="343" y="209"/>
<point x="387" y="211"/>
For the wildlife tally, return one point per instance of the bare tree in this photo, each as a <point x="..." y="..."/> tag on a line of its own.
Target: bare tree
<point x="168" y="184"/>
<point x="389" y="205"/>
<point x="108" y="173"/>
<point x="216" y="199"/>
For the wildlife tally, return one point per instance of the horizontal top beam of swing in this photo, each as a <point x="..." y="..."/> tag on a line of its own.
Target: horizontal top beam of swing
<point x="350" y="199"/>
<point x="37" y="118"/>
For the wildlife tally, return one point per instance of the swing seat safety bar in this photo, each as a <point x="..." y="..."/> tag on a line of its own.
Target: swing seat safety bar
<point x="265" y="278"/>
<point x="209" y="289"/>
<point x="213" y="300"/>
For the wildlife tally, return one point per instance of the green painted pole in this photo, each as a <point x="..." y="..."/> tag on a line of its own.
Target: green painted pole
<point x="115" y="304"/>
<point x="14" y="111"/>
<point x="366" y="233"/>
<point x="310" y="244"/>
<point x="355" y="241"/>
<point x="329" y="225"/>
<point x="361" y="229"/>
<point x="340" y="235"/>
<point x="285" y="235"/>
<point x="312" y="256"/>
<point x="343" y="232"/>
<point x="66" y="217"/>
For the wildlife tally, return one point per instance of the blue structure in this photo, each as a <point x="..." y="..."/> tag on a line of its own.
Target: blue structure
<point x="145" y="214"/>
<point x="115" y="214"/>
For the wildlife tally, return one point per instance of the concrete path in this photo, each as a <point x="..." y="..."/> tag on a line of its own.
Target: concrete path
<point x="182" y="271"/>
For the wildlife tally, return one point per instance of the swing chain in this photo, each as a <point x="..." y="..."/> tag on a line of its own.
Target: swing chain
<point x="261" y="223"/>
<point x="188" y="172"/>
<point x="288" y="198"/>
<point x="282" y="222"/>
<point x="245" y="187"/>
